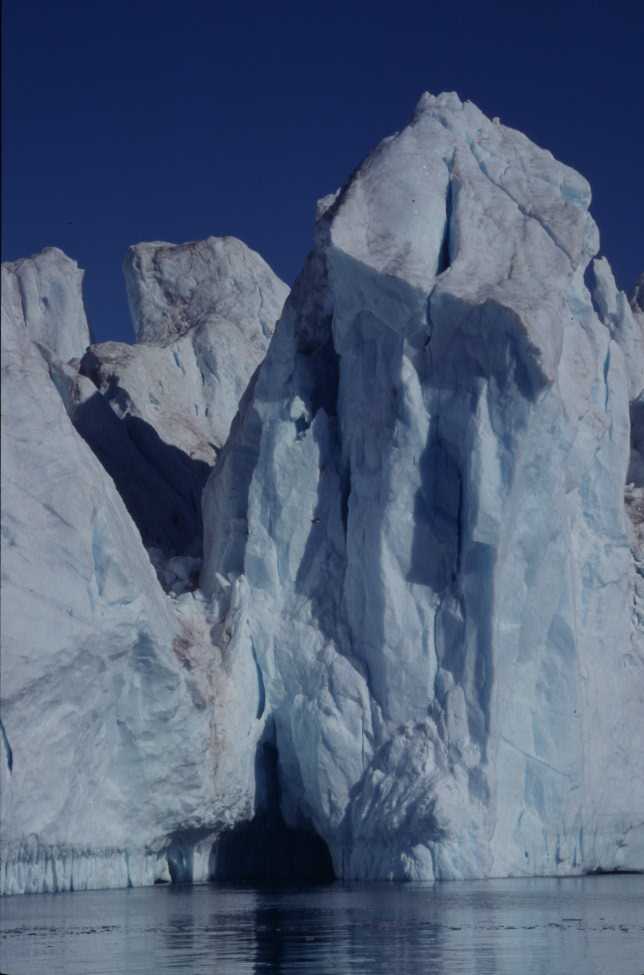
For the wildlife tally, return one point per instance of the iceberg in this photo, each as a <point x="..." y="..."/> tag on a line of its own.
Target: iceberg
<point x="418" y="520"/>
<point x="127" y="738"/>
<point x="402" y="637"/>
<point x="43" y="295"/>
<point x="203" y="315"/>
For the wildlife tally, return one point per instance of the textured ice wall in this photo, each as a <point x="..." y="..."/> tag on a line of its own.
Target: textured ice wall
<point x="203" y="314"/>
<point x="127" y="738"/>
<point x="422" y="587"/>
<point x="635" y="477"/>
<point x="636" y="469"/>
<point x="174" y="287"/>
<point x="419" y="521"/>
<point x="626" y="324"/>
<point x="44" y="297"/>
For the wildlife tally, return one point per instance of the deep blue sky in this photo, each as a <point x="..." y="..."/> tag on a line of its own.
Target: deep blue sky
<point x="158" y="120"/>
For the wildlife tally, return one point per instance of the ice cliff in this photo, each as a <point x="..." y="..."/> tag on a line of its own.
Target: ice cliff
<point x="419" y="632"/>
<point x="418" y="522"/>
<point x="203" y="315"/>
<point x="125" y="743"/>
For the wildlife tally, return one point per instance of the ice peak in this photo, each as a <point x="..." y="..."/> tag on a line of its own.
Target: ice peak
<point x="173" y="288"/>
<point x="424" y="484"/>
<point x="48" y="254"/>
<point x="637" y="298"/>
<point x="44" y="293"/>
<point x="417" y="628"/>
<point x="446" y="101"/>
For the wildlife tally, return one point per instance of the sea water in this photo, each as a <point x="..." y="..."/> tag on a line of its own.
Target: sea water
<point x="579" y="926"/>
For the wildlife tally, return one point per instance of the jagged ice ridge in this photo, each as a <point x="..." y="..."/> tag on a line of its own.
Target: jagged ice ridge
<point x="418" y="634"/>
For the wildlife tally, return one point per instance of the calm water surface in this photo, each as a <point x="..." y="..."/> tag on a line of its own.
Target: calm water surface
<point x="585" y="926"/>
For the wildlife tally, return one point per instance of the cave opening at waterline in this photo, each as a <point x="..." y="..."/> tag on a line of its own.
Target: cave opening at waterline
<point x="265" y="851"/>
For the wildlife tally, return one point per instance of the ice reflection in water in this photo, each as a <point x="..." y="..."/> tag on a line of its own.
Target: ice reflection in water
<point x="586" y="926"/>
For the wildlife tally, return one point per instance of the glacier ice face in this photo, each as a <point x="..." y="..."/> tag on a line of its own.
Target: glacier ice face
<point x="419" y="521"/>
<point x="43" y="296"/>
<point x="626" y="323"/>
<point x="634" y="494"/>
<point x="420" y="631"/>
<point x="637" y="298"/>
<point x="128" y="739"/>
<point x="218" y="281"/>
<point x="203" y="314"/>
